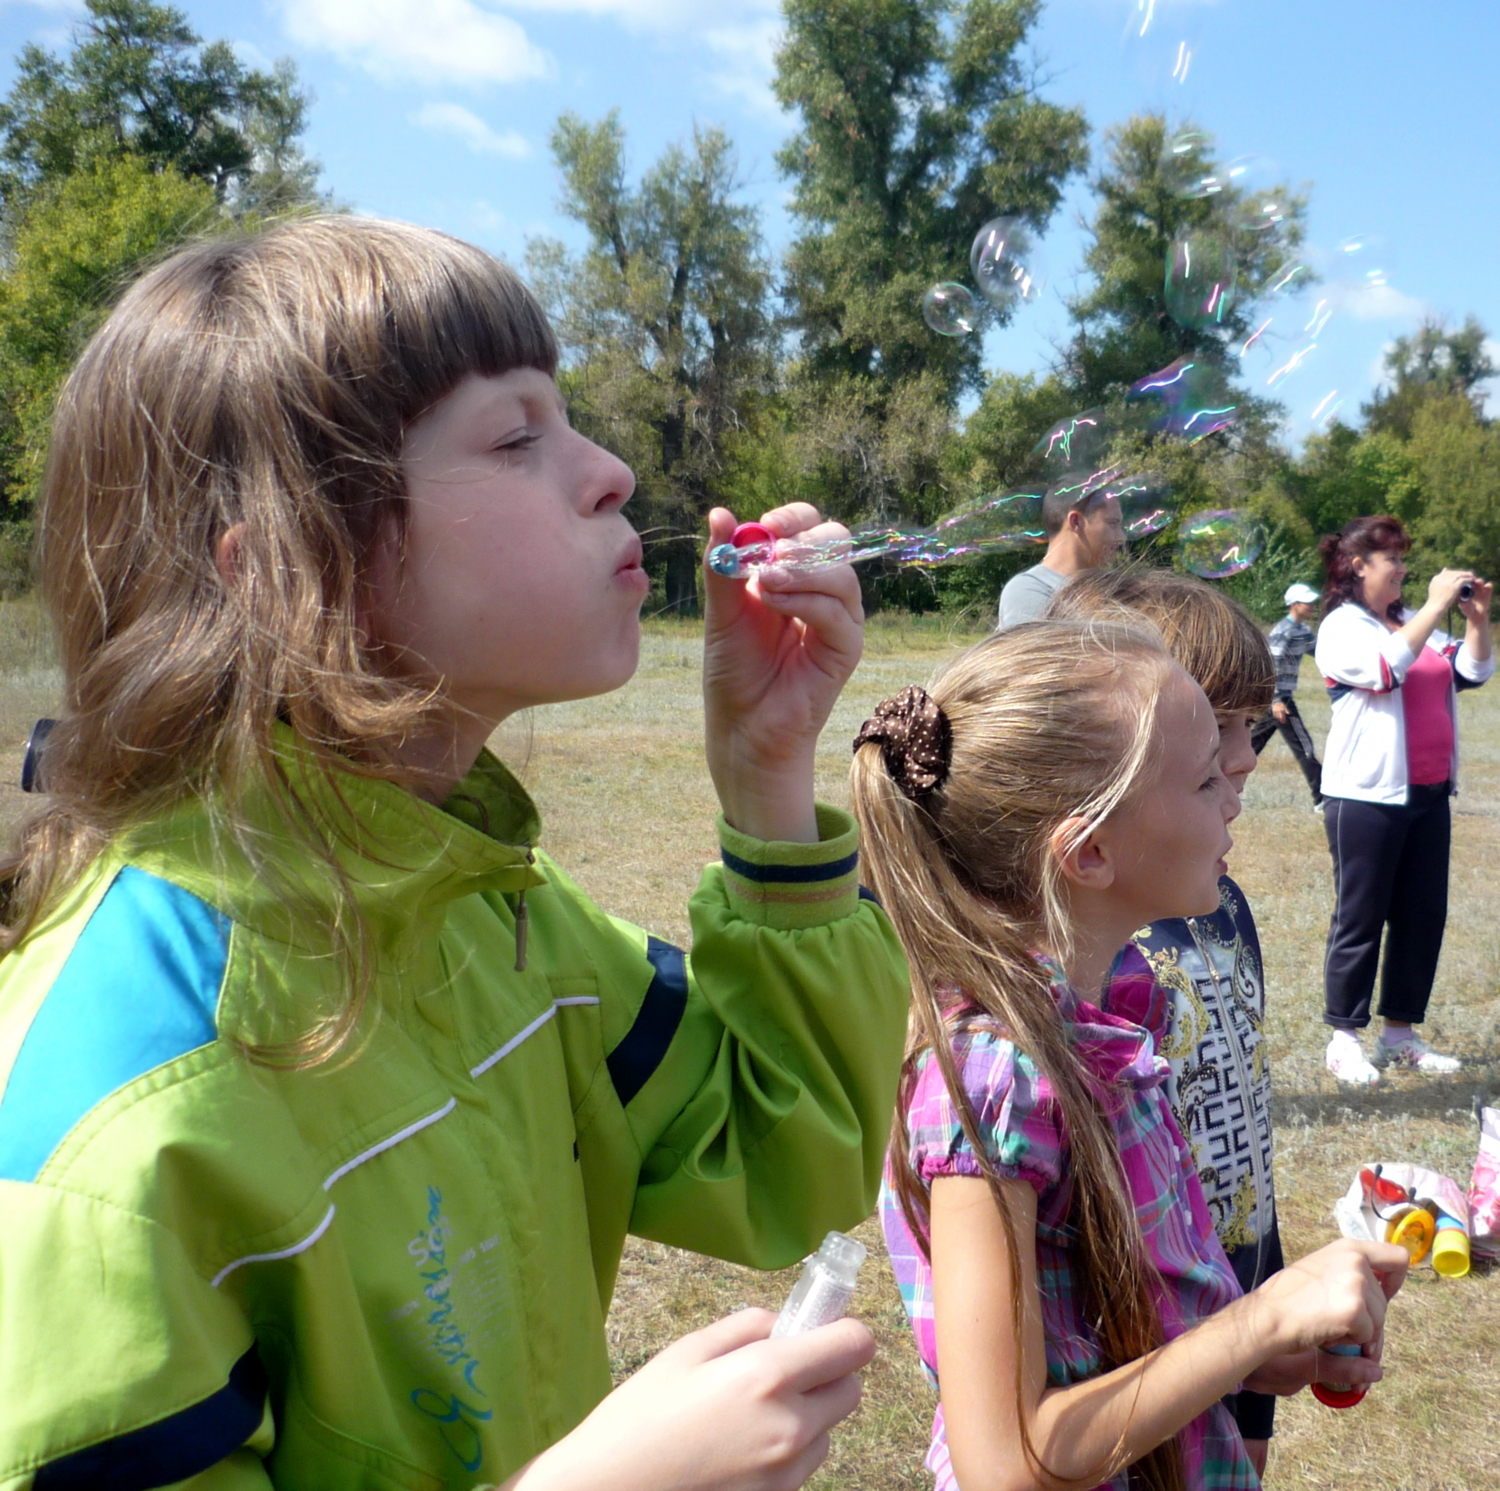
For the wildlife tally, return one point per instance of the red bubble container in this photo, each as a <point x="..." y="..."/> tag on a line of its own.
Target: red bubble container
<point x="1339" y="1394"/>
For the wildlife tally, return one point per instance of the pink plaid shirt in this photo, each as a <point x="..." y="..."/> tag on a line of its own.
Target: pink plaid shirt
<point x="1017" y="1113"/>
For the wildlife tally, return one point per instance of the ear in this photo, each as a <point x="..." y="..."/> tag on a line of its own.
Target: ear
<point x="1089" y="864"/>
<point x="227" y="555"/>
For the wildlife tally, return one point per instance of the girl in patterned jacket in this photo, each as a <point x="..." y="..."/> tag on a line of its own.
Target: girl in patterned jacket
<point x="1059" y="788"/>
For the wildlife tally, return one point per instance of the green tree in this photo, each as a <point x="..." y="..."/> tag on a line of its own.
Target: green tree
<point x="919" y="123"/>
<point x="1348" y="474"/>
<point x="73" y="253"/>
<point x="139" y="81"/>
<point x="1125" y="328"/>
<point x="1433" y="364"/>
<point x="665" y="322"/>
<point x="1457" y="455"/>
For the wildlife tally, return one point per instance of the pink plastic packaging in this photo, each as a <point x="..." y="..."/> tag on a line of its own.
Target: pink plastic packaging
<point x="1484" y="1188"/>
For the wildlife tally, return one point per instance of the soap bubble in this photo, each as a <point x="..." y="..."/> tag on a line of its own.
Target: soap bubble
<point x="1290" y="363"/>
<point x="1290" y="278"/>
<point x="1200" y="280"/>
<point x="1189" y="398"/>
<point x="1220" y="542"/>
<point x="1145" y="501"/>
<point x="1326" y="411"/>
<point x="1144" y="498"/>
<point x="1005" y="520"/>
<point x="950" y="310"/>
<point x="1364" y="260"/>
<point x="1078" y="444"/>
<point x="1260" y="211"/>
<point x="1187" y="164"/>
<point x="1002" y="260"/>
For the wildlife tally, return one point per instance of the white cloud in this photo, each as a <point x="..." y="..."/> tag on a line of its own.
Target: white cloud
<point x="749" y="54"/>
<point x="1382" y="303"/>
<point x="450" y="41"/>
<point x="454" y="119"/>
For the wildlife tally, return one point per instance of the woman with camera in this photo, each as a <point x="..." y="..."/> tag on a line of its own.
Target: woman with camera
<point x="1390" y="766"/>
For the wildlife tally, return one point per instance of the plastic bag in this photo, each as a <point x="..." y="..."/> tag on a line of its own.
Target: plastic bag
<point x="1363" y="1213"/>
<point x="1484" y="1188"/>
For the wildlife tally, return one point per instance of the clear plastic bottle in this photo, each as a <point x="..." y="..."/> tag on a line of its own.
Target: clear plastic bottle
<point x="823" y="1291"/>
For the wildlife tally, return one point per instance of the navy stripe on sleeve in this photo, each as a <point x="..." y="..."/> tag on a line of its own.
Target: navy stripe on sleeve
<point x="633" y="1061"/>
<point x="172" y="1449"/>
<point x="788" y="874"/>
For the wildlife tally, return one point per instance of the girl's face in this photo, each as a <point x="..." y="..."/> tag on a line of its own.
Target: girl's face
<point x="1168" y="845"/>
<point x="1237" y="758"/>
<point x="1380" y="577"/>
<point x="521" y="581"/>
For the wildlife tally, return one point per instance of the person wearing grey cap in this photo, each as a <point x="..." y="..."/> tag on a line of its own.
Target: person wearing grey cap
<point x="1291" y="640"/>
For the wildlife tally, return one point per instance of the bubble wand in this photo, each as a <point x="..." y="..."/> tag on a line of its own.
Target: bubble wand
<point x="1012" y="520"/>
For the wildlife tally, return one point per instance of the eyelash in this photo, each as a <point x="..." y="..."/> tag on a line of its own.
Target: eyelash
<point x="521" y="442"/>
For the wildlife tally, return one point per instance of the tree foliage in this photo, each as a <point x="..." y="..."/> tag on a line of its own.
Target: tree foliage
<point x="665" y="321"/>
<point x="918" y="122"/>
<point x="140" y="82"/>
<point x="111" y="155"/>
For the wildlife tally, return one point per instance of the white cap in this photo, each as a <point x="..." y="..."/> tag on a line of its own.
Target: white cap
<point x="1300" y="592"/>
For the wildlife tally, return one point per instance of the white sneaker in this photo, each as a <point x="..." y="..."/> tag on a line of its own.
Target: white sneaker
<point x="1411" y="1050"/>
<point x="1346" y="1060"/>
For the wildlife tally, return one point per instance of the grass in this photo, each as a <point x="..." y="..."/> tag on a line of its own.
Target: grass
<point x="627" y="807"/>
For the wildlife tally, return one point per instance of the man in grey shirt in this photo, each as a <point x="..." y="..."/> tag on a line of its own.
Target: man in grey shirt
<point x="1084" y="531"/>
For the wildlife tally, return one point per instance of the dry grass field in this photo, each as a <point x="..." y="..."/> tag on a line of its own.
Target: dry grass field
<point x="628" y="808"/>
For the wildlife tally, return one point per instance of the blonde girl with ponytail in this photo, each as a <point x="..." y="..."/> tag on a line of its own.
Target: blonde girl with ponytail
<point x="1058" y="788"/>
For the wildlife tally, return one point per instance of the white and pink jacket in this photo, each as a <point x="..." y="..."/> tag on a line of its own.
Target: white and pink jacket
<point x="1363" y="663"/>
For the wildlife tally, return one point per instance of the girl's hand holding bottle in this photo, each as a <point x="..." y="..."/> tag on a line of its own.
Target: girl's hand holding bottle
<point x="723" y="1409"/>
<point x="1335" y="1296"/>
<point x="776" y="653"/>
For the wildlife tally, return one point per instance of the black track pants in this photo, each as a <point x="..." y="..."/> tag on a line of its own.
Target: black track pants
<point x="1390" y="869"/>
<point x="1299" y="742"/>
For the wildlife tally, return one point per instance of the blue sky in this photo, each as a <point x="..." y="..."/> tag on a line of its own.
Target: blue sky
<point x="438" y="111"/>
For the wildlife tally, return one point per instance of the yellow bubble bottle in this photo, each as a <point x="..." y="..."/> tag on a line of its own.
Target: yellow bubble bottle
<point x="1414" y="1232"/>
<point x="1450" y="1248"/>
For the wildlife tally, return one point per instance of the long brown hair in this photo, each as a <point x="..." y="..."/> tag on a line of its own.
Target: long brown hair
<point x="1049" y="721"/>
<point x="262" y="382"/>
<point x="1212" y="636"/>
<point x="1360" y="539"/>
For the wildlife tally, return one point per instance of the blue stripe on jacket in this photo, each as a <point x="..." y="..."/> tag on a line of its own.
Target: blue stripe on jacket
<point x="139" y="989"/>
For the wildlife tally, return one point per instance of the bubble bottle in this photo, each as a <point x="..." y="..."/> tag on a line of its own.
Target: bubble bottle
<point x="822" y="1294"/>
<point x="1339" y="1394"/>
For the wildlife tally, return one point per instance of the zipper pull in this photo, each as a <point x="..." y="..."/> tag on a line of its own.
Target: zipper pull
<point x="523" y="919"/>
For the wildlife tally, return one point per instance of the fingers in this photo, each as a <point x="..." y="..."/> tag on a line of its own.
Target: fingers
<point x="729" y="1334"/>
<point x="823" y="1356"/>
<point x="796" y="518"/>
<point x="1357" y="1370"/>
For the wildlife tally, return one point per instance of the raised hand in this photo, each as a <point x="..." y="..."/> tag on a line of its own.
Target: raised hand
<point x="776" y="652"/>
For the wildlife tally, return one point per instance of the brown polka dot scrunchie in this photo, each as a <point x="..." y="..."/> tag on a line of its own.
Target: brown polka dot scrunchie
<point x="916" y="741"/>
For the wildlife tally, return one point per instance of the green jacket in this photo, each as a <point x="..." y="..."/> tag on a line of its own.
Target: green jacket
<point x="392" y="1270"/>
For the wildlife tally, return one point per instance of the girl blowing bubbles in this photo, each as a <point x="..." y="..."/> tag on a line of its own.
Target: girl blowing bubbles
<point x="326" y="1100"/>
<point x="1060" y="788"/>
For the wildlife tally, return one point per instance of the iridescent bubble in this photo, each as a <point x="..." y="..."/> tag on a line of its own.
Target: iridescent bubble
<point x="1145" y="501"/>
<point x="1290" y="278"/>
<point x="1002" y="259"/>
<point x="1187" y="164"/>
<point x="1189" y="398"/>
<point x="1327" y="409"/>
<point x="1260" y="212"/>
<point x="1078" y="444"/>
<point x="1292" y="362"/>
<point x="1004" y="520"/>
<point x="1200" y="280"/>
<point x="1364" y="260"/>
<point x="1221" y="542"/>
<point x="950" y="310"/>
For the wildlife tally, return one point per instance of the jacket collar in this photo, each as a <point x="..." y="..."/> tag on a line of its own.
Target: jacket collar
<point x="401" y="859"/>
